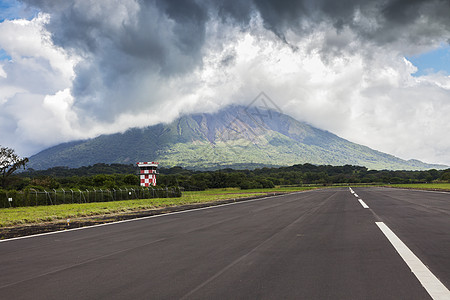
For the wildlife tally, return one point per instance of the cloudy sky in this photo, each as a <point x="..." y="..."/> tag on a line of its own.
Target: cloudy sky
<point x="373" y="72"/>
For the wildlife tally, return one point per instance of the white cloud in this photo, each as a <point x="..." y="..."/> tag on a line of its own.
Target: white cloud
<point x="367" y="96"/>
<point x="331" y="79"/>
<point x="37" y="69"/>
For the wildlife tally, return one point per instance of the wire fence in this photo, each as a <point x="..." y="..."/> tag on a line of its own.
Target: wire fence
<point x="33" y="197"/>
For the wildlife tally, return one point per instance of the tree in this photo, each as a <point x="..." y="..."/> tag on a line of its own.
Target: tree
<point x="446" y="175"/>
<point x="131" y="179"/>
<point x="9" y="163"/>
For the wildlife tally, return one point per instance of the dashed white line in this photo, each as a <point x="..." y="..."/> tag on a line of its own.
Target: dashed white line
<point x="429" y="281"/>
<point x="363" y="203"/>
<point x="360" y="201"/>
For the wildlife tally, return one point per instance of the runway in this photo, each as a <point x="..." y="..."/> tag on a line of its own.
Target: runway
<point x="322" y="244"/>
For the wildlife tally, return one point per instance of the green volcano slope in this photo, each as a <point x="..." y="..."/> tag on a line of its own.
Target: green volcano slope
<point x="236" y="136"/>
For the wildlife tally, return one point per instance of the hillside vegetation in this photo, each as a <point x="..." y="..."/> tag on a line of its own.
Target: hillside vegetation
<point x="235" y="137"/>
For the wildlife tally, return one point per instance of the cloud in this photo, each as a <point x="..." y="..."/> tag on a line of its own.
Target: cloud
<point x="36" y="70"/>
<point x="91" y="67"/>
<point x="124" y="45"/>
<point x="375" y="102"/>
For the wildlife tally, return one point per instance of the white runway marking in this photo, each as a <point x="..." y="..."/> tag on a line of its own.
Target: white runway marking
<point x="429" y="281"/>
<point x="363" y="203"/>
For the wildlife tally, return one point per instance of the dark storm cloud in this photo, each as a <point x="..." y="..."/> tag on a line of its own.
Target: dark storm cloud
<point x="125" y="41"/>
<point x="122" y="44"/>
<point x="178" y="49"/>
<point x="414" y="21"/>
<point x="73" y="27"/>
<point x="392" y="20"/>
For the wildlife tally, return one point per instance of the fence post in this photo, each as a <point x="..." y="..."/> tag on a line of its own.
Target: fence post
<point x="64" y="195"/>
<point x="82" y="194"/>
<point x="47" y="194"/>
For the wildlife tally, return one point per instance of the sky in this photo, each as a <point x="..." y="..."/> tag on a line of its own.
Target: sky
<point x="374" y="72"/>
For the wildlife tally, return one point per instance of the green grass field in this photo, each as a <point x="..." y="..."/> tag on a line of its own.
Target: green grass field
<point x="424" y="186"/>
<point x="39" y="214"/>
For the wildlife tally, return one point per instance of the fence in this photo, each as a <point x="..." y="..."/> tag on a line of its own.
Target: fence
<point x="54" y="197"/>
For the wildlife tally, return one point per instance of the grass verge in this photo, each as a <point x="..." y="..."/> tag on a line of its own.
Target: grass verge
<point x="423" y="186"/>
<point x="60" y="213"/>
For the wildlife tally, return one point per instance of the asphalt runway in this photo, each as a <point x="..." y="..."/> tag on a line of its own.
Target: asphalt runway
<point x="319" y="244"/>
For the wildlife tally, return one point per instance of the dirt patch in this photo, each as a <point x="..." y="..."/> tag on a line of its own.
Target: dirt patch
<point x="24" y="230"/>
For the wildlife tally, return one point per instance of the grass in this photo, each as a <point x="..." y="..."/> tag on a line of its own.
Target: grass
<point x="423" y="186"/>
<point x="38" y="214"/>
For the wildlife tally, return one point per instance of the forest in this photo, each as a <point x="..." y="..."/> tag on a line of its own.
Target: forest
<point x="114" y="176"/>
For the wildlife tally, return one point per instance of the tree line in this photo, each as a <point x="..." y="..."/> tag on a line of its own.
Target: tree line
<point x="295" y="175"/>
<point x="114" y="176"/>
